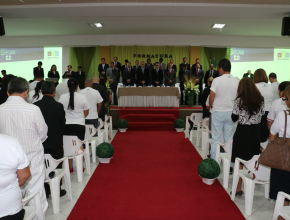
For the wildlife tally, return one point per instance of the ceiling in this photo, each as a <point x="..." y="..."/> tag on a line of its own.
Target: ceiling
<point x="184" y="17"/>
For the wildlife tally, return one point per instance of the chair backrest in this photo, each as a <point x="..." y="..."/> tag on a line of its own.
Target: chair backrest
<point x="205" y="123"/>
<point x="263" y="173"/>
<point x="196" y="118"/>
<point x="70" y="145"/>
<point x="227" y="147"/>
<point x="101" y="124"/>
<point x="50" y="164"/>
<point x="90" y="132"/>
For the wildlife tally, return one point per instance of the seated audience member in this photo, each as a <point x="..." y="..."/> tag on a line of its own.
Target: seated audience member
<point x="170" y="76"/>
<point x="95" y="100"/>
<point x="4" y="89"/>
<point x="261" y="81"/>
<point x="69" y="72"/>
<point x="157" y="75"/>
<point x="249" y="75"/>
<point x="143" y="75"/>
<point x="104" y="94"/>
<point x="248" y="111"/>
<point x="197" y="61"/>
<point x="102" y="66"/>
<point x="76" y="107"/>
<point x="183" y="74"/>
<point x="81" y="76"/>
<point x="162" y="65"/>
<point x="36" y="94"/>
<point x="278" y="105"/>
<point x="113" y="74"/>
<point x="26" y="123"/>
<point x="37" y="79"/>
<point x="54" y="74"/>
<point x="210" y="73"/>
<point x="184" y="62"/>
<point x="173" y="65"/>
<point x="54" y="117"/>
<point x="274" y="84"/>
<point x="203" y="98"/>
<point x="280" y="179"/>
<point x="128" y="75"/>
<point x="14" y="172"/>
<point x="38" y="70"/>
<point x="62" y="88"/>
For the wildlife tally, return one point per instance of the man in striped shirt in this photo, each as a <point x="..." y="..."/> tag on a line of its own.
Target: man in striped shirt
<point x="25" y="122"/>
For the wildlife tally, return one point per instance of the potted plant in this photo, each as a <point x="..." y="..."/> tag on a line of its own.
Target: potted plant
<point x="105" y="152"/>
<point x="208" y="170"/>
<point x="190" y="89"/>
<point x="122" y="125"/>
<point x="179" y="125"/>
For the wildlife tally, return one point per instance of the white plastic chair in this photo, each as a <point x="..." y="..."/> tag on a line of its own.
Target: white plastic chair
<point x="108" y="127"/>
<point x="280" y="209"/>
<point x="262" y="176"/>
<point x="54" y="183"/>
<point x="204" y="133"/>
<point x="72" y="144"/>
<point x="94" y="141"/>
<point x="226" y="159"/>
<point x="30" y="211"/>
<point x="196" y="118"/>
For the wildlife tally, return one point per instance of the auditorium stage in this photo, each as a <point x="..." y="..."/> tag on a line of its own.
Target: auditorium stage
<point x="180" y="112"/>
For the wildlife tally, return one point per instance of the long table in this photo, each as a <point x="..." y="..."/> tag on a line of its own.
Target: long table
<point x="148" y="96"/>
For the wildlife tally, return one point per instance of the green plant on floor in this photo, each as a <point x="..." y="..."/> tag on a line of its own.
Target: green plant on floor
<point x="105" y="150"/>
<point x="122" y="123"/>
<point x="179" y="123"/>
<point x="209" y="169"/>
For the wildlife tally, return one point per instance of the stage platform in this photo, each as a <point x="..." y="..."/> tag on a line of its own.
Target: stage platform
<point x="178" y="112"/>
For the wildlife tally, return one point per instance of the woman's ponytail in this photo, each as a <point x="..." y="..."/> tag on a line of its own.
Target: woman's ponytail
<point x="72" y="85"/>
<point x="37" y="90"/>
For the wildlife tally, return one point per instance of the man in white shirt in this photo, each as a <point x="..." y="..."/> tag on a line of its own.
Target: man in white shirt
<point x="95" y="100"/>
<point x="62" y="88"/>
<point x="25" y="122"/>
<point x="38" y="78"/>
<point x="275" y="85"/>
<point x="221" y="100"/>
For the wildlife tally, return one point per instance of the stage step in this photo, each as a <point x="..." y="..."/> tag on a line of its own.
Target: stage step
<point x="151" y="126"/>
<point x="150" y="118"/>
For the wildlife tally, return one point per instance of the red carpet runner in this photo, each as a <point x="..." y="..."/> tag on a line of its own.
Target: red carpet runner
<point x="153" y="176"/>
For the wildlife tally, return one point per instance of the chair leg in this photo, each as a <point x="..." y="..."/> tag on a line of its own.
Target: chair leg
<point x="197" y="137"/>
<point x="226" y="172"/>
<point x="235" y="179"/>
<point x="79" y="164"/>
<point x="279" y="206"/>
<point x="67" y="179"/>
<point x="55" y="194"/>
<point x="249" y="186"/>
<point x="93" y="146"/>
<point x="87" y="158"/>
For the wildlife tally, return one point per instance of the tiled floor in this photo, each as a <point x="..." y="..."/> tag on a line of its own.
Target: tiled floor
<point x="262" y="208"/>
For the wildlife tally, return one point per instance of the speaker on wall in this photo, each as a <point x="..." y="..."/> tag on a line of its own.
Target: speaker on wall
<point x="285" y="26"/>
<point x="2" y="30"/>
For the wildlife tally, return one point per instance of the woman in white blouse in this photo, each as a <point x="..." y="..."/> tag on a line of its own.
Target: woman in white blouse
<point x="35" y="95"/>
<point x="266" y="90"/>
<point x="76" y="107"/>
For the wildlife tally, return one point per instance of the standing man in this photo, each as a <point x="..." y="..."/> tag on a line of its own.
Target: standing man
<point x="25" y="122"/>
<point x="162" y="65"/>
<point x="124" y="66"/>
<point x="170" y="76"/>
<point x="38" y="70"/>
<point x="128" y="75"/>
<point x="173" y="65"/>
<point x="157" y="75"/>
<point x="143" y="75"/>
<point x="221" y="100"/>
<point x="113" y="73"/>
<point x="210" y="73"/>
<point x="118" y="66"/>
<point x="275" y="85"/>
<point x="196" y="62"/>
<point x="199" y="74"/>
<point x="136" y="67"/>
<point x="102" y="66"/>
<point x="81" y="76"/>
<point x="183" y="73"/>
<point x="184" y="62"/>
<point x="3" y="73"/>
<point x="95" y="100"/>
<point x="68" y="72"/>
<point x="149" y="66"/>
<point x="54" y="116"/>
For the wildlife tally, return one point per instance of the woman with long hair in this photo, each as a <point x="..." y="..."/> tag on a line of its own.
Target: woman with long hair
<point x="279" y="179"/>
<point x="35" y="95"/>
<point x="76" y="107"/>
<point x="248" y="111"/>
<point x="53" y="73"/>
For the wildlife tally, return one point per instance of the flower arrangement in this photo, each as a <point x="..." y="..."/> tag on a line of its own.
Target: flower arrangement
<point x="190" y="86"/>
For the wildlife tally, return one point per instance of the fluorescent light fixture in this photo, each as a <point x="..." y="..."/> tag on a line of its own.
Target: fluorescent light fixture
<point x="218" y="25"/>
<point x="95" y="24"/>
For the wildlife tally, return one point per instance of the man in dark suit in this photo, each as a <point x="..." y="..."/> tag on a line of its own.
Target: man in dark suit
<point x="54" y="116"/>
<point x="81" y="76"/>
<point x="157" y="75"/>
<point x="128" y="75"/>
<point x="38" y="70"/>
<point x="137" y="66"/>
<point x="69" y="72"/>
<point x="113" y="74"/>
<point x="162" y="65"/>
<point x="184" y="62"/>
<point x="199" y="74"/>
<point x="170" y="76"/>
<point x="102" y="66"/>
<point x="210" y="73"/>
<point x="117" y="65"/>
<point x="124" y="66"/>
<point x="173" y="65"/>
<point x="249" y="74"/>
<point x="197" y="61"/>
<point x="143" y="75"/>
<point x="103" y="92"/>
<point x="183" y="73"/>
<point x="149" y="65"/>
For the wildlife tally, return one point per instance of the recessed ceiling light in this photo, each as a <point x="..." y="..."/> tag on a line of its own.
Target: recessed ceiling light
<point x="95" y="24"/>
<point x="218" y="25"/>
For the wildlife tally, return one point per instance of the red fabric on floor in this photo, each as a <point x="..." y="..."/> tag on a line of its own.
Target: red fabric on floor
<point x="152" y="176"/>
